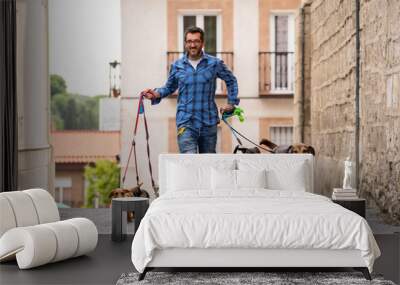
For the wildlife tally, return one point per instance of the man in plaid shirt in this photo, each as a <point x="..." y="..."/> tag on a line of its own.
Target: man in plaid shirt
<point x="195" y="76"/>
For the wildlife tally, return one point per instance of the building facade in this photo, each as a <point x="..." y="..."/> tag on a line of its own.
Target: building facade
<point x="109" y="114"/>
<point x="255" y="38"/>
<point x="327" y="75"/>
<point x="73" y="150"/>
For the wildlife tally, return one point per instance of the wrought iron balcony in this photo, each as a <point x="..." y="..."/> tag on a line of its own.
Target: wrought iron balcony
<point x="276" y="71"/>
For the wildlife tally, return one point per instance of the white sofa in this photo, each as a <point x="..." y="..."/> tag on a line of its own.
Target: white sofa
<point x="31" y="230"/>
<point x="175" y="231"/>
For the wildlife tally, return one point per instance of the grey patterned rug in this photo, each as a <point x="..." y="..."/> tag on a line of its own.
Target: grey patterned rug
<point x="228" y="278"/>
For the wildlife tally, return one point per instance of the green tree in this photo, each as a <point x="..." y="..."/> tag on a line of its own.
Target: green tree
<point x="58" y="106"/>
<point x="56" y="122"/>
<point x="73" y="111"/>
<point x="71" y="115"/>
<point x="57" y="85"/>
<point x="102" y="178"/>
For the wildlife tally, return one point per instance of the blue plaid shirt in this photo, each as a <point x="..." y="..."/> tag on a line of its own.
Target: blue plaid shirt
<point x="196" y="90"/>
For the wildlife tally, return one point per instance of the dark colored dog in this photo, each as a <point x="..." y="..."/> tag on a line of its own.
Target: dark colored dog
<point x="294" y="148"/>
<point x="134" y="192"/>
<point x="274" y="148"/>
<point x="137" y="192"/>
<point x="246" y="150"/>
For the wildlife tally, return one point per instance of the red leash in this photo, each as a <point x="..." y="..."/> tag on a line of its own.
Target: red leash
<point x="140" y="110"/>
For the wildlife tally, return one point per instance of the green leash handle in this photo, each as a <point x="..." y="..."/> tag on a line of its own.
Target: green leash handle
<point x="237" y="111"/>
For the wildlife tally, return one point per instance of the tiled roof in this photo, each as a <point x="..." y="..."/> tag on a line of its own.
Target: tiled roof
<point x="85" y="146"/>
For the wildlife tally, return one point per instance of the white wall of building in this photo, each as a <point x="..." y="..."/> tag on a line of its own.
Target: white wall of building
<point x="245" y="39"/>
<point x="144" y="50"/>
<point x="35" y="167"/>
<point x="109" y="114"/>
<point x="144" y="45"/>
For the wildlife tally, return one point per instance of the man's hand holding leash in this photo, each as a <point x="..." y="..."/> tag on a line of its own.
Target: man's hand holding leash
<point x="227" y="108"/>
<point x="150" y="94"/>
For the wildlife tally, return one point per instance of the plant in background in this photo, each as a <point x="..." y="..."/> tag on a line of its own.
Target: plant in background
<point x="57" y="85"/>
<point x="72" y="111"/>
<point x="102" y="178"/>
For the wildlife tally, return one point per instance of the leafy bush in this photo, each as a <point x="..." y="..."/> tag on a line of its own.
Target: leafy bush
<point x="102" y="178"/>
<point x="57" y="85"/>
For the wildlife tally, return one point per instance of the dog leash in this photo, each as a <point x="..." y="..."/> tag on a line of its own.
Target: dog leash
<point x="235" y="133"/>
<point x="140" y="110"/>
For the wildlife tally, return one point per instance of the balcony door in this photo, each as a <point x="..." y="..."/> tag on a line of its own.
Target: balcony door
<point x="209" y="21"/>
<point x="282" y="44"/>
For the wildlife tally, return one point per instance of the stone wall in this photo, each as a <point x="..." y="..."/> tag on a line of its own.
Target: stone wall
<point x="380" y="105"/>
<point x="330" y="37"/>
<point x="302" y="98"/>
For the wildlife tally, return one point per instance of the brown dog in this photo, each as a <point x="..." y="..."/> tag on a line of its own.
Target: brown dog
<point x="294" y="148"/>
<point x="134" y="192"/>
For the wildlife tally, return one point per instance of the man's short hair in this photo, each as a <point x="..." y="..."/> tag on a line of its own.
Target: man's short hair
<point x="193" y="30"/>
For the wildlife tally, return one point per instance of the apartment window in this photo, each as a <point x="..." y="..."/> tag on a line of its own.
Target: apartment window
<point x="281" y="48"/>
<point x="63" y="190"/>
<point x="281" y="135"/>
<point x="209" y="21"/>
<point x="281" y="33"/>
<point x="282" y="52"/>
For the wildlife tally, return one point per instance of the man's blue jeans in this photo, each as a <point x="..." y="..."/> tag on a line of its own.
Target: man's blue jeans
<point x="194" y="140"/>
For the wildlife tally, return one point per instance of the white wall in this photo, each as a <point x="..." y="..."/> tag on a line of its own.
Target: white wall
<point x="110" y="114"/>
<point x="144" y="45"/>
<point x="245" y="39"/>
<point x="144" y="50"/>
<point x="35" y="168"/>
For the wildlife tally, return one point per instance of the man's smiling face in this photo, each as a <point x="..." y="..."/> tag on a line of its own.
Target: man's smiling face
<point x="194" y="45"/>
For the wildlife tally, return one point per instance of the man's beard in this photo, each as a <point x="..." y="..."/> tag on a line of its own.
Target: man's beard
<point x="194" y="52"/>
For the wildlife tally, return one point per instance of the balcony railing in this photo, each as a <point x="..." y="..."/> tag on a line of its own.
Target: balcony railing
<point x="227" y="57"/>
<point x="276" y="73"/>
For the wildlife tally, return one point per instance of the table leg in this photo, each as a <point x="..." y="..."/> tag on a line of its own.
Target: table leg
<point x="116" y="217"/>
<point x="140" y="211"/>
<point x="124" y="224"/>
